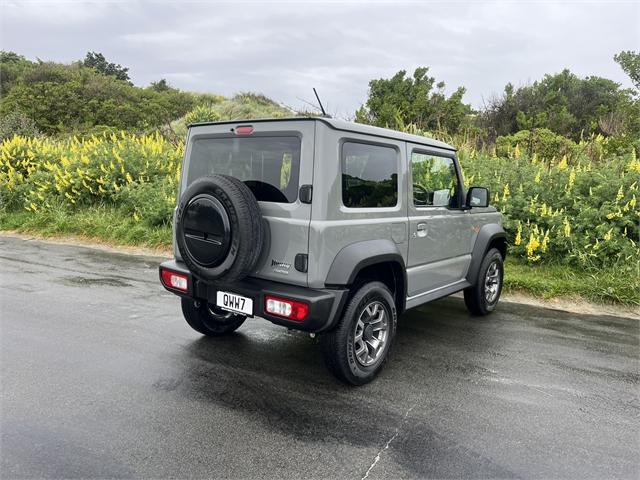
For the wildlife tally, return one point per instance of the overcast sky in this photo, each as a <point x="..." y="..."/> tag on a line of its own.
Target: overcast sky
<point x="284" y="49"/>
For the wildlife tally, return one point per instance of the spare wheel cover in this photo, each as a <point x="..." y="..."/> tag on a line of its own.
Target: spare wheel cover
<point x="207" y="232"/>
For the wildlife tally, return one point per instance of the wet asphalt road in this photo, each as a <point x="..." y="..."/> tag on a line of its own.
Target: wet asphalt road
<point x="101" y="377"/>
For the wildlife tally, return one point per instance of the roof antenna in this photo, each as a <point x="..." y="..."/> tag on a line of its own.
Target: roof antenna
<point x="324" y="114"/>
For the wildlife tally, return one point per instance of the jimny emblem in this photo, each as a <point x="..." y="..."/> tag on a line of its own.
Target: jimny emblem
<point x="280" y="267"/>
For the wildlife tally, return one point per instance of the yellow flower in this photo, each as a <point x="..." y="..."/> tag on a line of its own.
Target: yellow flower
<point x="518" y="239"/>
<point x="608" y="235"/>
<point x="545" y="241"/>
<point x="567" y="227"/>
<point x="620" y="194"/>
<point x="572" y="180"/>
<point x="563" y="163"/>
<point x="532" y="246"/>
<point x="505" y="192"/>
<point x="537" y="179"/>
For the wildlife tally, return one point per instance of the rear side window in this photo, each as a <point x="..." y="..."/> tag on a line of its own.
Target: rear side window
<point x="369" y="175"/>
<point x="269" y="166"/>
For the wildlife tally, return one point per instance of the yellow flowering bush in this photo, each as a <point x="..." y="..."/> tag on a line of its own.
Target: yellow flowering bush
<point x="40" y="173"/>
<point x="573" y="208"/>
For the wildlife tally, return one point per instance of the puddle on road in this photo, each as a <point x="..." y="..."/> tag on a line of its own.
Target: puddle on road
<point x="95" y="282"/>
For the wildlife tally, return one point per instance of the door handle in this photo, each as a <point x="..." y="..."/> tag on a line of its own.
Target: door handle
<point x="421" y="230"/>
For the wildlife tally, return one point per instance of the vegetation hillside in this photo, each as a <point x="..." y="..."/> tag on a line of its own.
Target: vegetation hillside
<point x="86" y="152"/>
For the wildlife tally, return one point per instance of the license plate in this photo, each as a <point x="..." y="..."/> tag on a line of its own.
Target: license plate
<point x="234" y="303"/>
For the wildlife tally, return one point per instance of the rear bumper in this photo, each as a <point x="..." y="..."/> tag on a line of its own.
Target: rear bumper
<point x="325" y="305"/>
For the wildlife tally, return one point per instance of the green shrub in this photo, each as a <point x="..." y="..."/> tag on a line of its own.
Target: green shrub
<point x="17" y="123"/>
<point x="152" y="202"/>
<point x="202" y="113"/>
<point x="541" y="142"/>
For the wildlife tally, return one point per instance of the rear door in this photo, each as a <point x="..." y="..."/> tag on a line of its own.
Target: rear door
<point x="439" y="229"/>
<point x="274" y="159"/>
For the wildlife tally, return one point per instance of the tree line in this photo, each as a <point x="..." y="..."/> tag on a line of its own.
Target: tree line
<point x="94" y="94"/>
<point x="84" y="97"/>
<point x="562" y="103"/>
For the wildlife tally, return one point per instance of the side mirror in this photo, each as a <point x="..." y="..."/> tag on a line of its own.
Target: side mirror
<point x="477" y="197"/>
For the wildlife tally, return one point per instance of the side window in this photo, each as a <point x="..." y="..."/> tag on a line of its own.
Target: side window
<point x="435" y="183"/>
<point x="369" y="175"/>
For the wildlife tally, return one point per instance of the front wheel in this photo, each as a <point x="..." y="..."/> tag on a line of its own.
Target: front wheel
<point x="208" y="319"/>
<point x="482" y="297"/>
<point x="357" y="349"/>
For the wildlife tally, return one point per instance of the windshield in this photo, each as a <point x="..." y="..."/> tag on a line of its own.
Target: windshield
<point x="269" y="166"/>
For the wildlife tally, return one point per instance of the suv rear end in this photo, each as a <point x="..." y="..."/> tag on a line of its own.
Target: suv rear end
<point x="275" y="160"/>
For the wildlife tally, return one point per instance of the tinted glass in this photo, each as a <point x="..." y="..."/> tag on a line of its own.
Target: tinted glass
<point x="435" y="183"/>
<point x="369" y="175"/>
<point x="269" y="166"/>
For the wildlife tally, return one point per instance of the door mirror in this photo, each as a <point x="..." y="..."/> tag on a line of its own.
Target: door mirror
<point x="477" y="197"/>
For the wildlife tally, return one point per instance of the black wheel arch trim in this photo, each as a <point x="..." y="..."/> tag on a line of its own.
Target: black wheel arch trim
<point x="355" y="257"/>
<point x="486" y="236"/>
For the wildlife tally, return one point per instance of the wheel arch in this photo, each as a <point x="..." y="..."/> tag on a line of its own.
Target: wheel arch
<point x="371" y="260"/>
<point x="490" y="236"/>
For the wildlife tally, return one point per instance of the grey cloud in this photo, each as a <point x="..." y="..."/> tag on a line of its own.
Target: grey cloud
<point x="283" y="49"/>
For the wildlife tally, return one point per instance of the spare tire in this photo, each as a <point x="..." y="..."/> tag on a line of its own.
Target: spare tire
<point x="219" y="228"/>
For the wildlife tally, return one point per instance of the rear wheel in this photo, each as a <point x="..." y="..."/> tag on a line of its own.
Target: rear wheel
<point x="482" y="297"/>
<point x="357" y="349"/>
<point x="209" y="319"/>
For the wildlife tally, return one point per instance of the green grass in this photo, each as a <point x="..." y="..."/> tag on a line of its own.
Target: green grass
<point x="608" y="286"/>
<point x="107" y="224"/>
<point x="102" y="223"/>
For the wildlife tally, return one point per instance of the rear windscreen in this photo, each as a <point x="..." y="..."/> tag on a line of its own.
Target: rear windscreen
<point x="269" y="166"/>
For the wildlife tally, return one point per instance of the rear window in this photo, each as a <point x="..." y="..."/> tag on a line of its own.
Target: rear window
<point x="369" y="175"/>
<point x="269" y="166"/>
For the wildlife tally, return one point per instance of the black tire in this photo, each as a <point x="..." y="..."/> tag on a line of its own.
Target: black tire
<point x="219" y="228"/>
<point x="208" y="320"/>
<point x="340" y="345"/>
<point x="476" y="298"/>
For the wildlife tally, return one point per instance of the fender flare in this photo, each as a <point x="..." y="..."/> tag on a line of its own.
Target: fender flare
<point x="487" y="234"/>
<point x="353" y="258"/>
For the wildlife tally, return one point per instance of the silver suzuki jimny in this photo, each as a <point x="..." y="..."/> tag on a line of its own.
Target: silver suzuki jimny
<point x="328" y="227"/>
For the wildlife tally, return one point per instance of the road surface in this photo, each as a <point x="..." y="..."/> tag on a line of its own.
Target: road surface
<point x="101" y="377"/>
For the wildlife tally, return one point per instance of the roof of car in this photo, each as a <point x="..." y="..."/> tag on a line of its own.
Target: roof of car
<point x="348" y="127"/>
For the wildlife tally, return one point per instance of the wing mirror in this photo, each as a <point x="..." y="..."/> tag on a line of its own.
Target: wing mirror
<point x="477" y="197"/>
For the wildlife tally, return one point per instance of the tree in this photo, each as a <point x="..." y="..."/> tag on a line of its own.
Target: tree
<point x="629" y="61"/>
<point x="97" y="61"/>
<point x="12" y="67"/>
<point x="76" y="99"/>
<point x="563" y="103"/>
<point x="418" y="100"/>
<point x="161" y="86"/>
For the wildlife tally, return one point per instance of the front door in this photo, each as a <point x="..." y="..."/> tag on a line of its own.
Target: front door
<point x="439" y="229"/>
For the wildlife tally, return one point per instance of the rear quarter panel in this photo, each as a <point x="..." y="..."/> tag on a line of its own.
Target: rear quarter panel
<point x="334" y="226"/>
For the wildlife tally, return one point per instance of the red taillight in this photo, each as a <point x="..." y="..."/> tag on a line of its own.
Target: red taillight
<point x="244" y="130"/>
<point x="282" y="307"/>
<point x="176" y="281"/>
